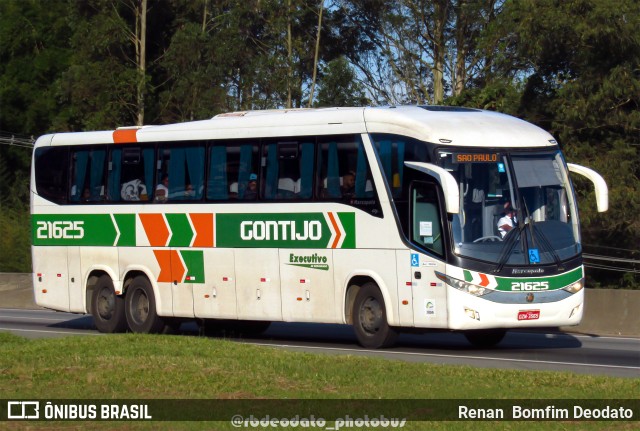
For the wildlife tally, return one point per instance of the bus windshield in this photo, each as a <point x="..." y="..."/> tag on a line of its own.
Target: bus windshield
<point x="516" y="208"/>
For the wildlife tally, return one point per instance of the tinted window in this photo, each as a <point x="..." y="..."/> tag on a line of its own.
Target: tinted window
<point x="180" y="173"/>
<point x="288" y="172"/>
<point x="344" y="174"/>
<point x="233" y="171"/>
<point x="130" y="173"/>
<point x="88" y="179"/>
<point x="51" y="168"/>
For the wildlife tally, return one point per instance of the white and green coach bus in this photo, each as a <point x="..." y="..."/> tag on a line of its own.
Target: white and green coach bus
<point x="386" y="219"/>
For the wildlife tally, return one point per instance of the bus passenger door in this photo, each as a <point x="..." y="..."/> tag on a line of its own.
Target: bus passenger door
<point x="258" y="284"/>
<point x="216" y="297"/>
<point x="429" y="293"/>
<point x="308" y="293"/>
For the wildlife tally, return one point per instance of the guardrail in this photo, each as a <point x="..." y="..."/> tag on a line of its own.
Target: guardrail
<point x="606" y="311"/>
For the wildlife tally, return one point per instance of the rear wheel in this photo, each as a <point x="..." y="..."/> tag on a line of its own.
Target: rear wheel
<point x="107" y="308"/>
<point x="370" y="319"/>
<point x="140" y="308"/>
<point x="485" y="337"/>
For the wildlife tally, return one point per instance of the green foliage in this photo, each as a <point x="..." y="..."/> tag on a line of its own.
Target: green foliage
<point x="340" y="87"/>
<point x="33" y="51"/>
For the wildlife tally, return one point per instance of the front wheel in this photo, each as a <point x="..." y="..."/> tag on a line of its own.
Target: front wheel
<point x="370" y="319"/>
<point x="140" y="308"/>
<point x="107" y="308"/>
<point x="484" y="338"/>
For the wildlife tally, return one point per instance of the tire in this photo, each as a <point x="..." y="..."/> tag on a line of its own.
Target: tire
<point x="370" y="319"/>
<point x="140" y="308"/>
<point x="484" y="338"/>
<point x="107" y="308"/>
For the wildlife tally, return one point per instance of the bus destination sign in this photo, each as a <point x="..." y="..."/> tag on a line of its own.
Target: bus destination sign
<point x="475" y="157"/>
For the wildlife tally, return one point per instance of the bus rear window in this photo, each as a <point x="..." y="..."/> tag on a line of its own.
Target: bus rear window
<point x="51" y="168"/>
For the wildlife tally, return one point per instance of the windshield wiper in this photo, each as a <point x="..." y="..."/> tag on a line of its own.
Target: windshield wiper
<point x="547" y="246"/>
<point x="538" y="234"/>
<point x="507" y="248"/>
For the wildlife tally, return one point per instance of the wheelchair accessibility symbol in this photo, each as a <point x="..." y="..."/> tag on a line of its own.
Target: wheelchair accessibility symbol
<point x="415" y="260"/>
<point x="534" y="255"/>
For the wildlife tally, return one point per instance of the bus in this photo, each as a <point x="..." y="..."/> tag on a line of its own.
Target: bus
<point x="388" y="219"/>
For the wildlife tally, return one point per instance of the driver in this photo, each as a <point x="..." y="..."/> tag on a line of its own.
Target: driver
<point x="508" y="220"/>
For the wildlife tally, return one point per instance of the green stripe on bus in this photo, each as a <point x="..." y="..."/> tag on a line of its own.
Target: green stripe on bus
<point x="194" y="261"/>
<point x="284" y="230"/>
<point x="555" y="282"/>
<point x="127" y="226"/>
<point x="80" y="229"/>
<point x="181" y="231"/>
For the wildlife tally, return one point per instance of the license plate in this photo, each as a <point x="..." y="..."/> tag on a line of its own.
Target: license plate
<point x="529" y="315"/>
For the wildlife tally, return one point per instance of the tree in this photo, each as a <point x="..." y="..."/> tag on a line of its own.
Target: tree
<point x="108" y="81"/>
<point x="33" y="53"/>
<point x="339" y="87"/>
<point x="577" y="65"/>
<point x="419" y="51"/>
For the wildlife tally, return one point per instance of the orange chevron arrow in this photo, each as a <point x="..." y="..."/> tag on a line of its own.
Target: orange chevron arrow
<point x="203" y="225"/>
<point x="171" y="267"/>
<point x="156" y="229"/>
<point x="336" y="241"/>
<point x="164" y="261"/>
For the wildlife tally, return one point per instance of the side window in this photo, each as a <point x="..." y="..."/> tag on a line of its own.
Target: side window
<point x="233" y="171"/>
<point x="88" y="179"/>
<point x="130" y="174"/>
<point x="393" y="151"/>
<point x="288" y="172"/>
<point x="51" y="166"/>
<point x="426" y="229"/>
<point x="179" y="173"/>
<point x="344" y="174"/>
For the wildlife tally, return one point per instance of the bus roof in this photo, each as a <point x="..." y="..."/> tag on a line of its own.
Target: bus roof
<point x="441" y="125"/>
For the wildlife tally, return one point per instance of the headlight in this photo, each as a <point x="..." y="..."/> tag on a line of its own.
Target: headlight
<point x="463" y="285"/>
<point x="575" y="287"/>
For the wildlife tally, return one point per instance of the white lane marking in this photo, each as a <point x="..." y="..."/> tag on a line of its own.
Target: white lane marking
<point x="488" y="358"/>
<point x="32" y="318"/>
<point x="49" y="332"/>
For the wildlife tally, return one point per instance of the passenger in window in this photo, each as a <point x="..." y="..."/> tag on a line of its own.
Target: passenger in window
<point x="162" y="189"/>
<point x="134" y="190"/>
<point x="251" y="192"/>
<point x="348" y="187"/>
<point x="189" y="193"/>
<point x="86" y="195"/>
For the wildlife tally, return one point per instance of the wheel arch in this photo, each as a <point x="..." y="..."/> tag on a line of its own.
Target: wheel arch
<point x="93" y="276"/>
<point x="355" y="282"/>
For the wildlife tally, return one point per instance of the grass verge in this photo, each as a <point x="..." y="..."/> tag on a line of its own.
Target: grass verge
<point x="175" y="367"/>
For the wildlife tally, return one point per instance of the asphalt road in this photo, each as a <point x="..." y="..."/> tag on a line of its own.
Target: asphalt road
<point x="531" y="350"/>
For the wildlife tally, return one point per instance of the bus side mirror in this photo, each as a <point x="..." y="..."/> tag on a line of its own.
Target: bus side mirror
<point x="602" y="192"/>
<point x="445" y="179"/>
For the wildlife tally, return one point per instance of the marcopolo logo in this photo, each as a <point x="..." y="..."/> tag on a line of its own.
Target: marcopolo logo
<point x="309" y="261"/>
<point x="286" y="230"/>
